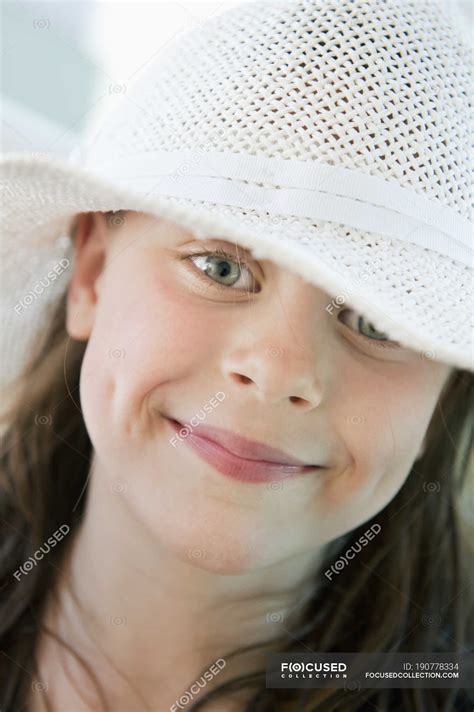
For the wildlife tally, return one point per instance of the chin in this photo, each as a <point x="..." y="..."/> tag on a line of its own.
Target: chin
<point x="215" y="554"/>
<point x="224" y="566"/>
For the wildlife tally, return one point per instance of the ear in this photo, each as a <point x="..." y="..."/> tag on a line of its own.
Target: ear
<point x="90" y="242"/>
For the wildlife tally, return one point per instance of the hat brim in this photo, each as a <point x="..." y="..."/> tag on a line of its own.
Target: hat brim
<point x="427" y="309"/>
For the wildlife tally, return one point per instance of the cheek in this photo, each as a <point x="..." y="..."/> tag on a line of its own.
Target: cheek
<point x="146" y="333"/>
<point x="382" y="436"/>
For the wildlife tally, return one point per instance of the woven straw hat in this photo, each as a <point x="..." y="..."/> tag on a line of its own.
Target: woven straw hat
<point x="331" y="136"/>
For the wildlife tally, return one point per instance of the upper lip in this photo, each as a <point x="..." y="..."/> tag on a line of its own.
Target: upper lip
<point x="244" y="447"/>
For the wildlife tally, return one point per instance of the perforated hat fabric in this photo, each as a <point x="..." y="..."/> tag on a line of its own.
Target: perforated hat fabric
<point x="333" y="137"/>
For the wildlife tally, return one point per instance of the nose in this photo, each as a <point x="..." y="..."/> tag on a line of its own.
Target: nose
<point x="272" y="384"/>
<point x="280" y="353"/>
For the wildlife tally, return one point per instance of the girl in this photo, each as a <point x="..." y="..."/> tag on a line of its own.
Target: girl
<point x="243" y="430"/>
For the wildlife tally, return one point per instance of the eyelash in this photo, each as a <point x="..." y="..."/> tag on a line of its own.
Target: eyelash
<point x="220" y="252"/>
<point x="216" y="252"/>
<point x="375" y="343"/>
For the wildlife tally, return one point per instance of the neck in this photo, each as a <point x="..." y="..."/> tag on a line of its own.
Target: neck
<point x="122" y="596"/>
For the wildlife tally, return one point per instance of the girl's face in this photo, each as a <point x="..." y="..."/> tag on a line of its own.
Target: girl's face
<point x="169" y="333"/>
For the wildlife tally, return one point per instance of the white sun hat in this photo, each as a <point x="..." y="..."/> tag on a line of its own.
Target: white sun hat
<point x="330" y="136"/>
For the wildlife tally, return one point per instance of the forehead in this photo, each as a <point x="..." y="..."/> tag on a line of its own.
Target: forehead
<point x="146" y="228"/>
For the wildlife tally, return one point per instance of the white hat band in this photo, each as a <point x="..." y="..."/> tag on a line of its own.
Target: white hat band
<point x="305" y="189"/>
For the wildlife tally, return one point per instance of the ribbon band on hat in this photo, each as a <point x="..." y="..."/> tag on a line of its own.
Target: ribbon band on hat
<point x="305" y="189"/>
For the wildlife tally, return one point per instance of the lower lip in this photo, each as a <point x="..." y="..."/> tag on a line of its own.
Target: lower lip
<point x="256" y="471"/>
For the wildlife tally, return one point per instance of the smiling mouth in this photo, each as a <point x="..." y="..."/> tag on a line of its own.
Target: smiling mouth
<point x="237" y="466"/>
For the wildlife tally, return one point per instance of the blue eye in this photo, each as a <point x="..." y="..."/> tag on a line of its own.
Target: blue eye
<point x="223" y="269"/>
<point x="218" y="268"/>
<point x="364" y="326"/>
<point x="366" y="329"/>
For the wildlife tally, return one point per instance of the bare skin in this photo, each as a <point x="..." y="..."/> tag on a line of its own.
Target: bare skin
<point x="175" y="565"/>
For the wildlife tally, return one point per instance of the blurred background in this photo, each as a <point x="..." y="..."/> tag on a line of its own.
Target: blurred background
<point x="65" y="63"/>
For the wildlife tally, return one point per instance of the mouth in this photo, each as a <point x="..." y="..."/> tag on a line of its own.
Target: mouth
<point x="238" y="457"/>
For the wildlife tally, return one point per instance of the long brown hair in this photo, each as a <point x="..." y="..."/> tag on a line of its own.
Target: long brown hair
<point x="407" y="592"/>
